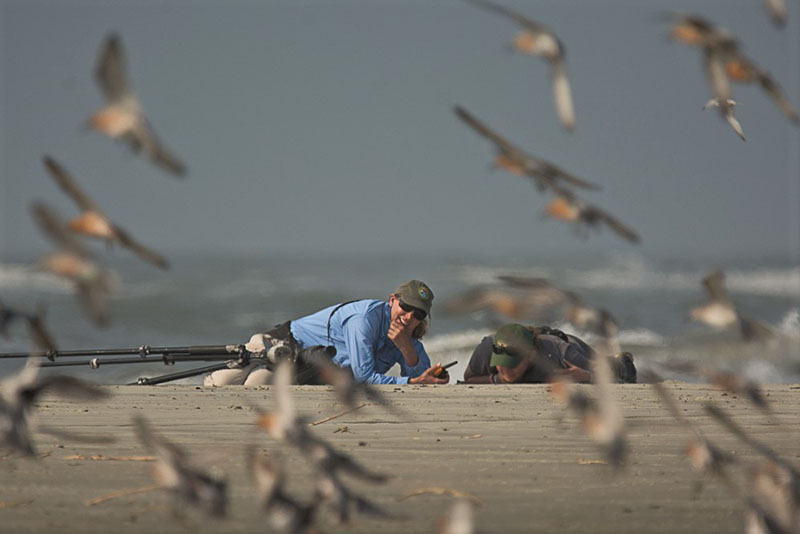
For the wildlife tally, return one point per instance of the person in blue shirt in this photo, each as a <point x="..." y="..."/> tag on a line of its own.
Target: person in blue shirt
<point x="370" y="336"/>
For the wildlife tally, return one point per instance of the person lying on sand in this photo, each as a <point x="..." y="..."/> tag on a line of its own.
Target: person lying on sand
<point x="518" y="354"/>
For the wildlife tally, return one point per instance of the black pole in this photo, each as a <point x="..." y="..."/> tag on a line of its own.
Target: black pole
<point x="167" y="359"/>
<point x="142" y="351"/>
<point x="144" y="381"/>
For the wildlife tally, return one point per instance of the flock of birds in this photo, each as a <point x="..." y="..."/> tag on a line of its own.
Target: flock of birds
<point x="773" y="498"/>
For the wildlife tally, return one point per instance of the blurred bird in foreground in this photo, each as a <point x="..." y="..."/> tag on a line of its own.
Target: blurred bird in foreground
<point x="122" y="117"/>
<point x="600" y="416"/>
<point x="286" y="513"/>
<point x="536" y="39"/>
<point x="93" y="221"/>
<point x="519" y="163"/>
<point x="19" y="392"/>
<point x="342" y="501"/>
<point x="348" y="390"/>
<point x="41" y="339"/>
<point x="459" y="519"/>
<point x="93" y="283"/>
<point x="775" y="485"/>
<point x="724" y="380"/>
<point x="719" y="312"/>
<point x="777" y="11"/>
<point x="567" y="207"/>
<point x="703" y="455"/>
<point x="174" y="473"/>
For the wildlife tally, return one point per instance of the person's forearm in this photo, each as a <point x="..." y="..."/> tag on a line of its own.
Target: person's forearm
<point x="410" y="355"/>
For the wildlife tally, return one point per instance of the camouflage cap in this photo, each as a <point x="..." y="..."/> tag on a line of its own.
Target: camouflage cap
<point x="416" y="293"/>
<point x="511" y="343"/>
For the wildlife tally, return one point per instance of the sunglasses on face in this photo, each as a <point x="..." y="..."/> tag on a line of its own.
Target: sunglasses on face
<point x="419" y="315"/>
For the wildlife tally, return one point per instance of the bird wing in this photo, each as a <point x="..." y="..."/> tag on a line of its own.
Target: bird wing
<point x="110" y="69"/>
<point x="528" y="23"/>
<point x="562" y="94"/>
<point x="145" y="253"/>
<point x="53" y="227"/>
<point x="595" y="213"/>
<point x="67" y="183"/>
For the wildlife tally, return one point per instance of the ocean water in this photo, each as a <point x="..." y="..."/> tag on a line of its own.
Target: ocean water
<point x="223" y="300"/>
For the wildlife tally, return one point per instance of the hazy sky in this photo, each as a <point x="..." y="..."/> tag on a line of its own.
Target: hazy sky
<point x="326" y="127"/>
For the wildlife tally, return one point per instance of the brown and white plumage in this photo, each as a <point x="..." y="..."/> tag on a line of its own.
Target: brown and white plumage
<point x="122" y="117"/>
<point x="569" y="208"/>
<point x="536" y="39"/>
<point x="19" y="392"/>
<point x="719" y="311"/>
<point x="776" y="10"/>
<point x="516" y="161"/>
<point x="174" y="472"/>
<point x="73" y="262"/>
<point x="93" y="221"/>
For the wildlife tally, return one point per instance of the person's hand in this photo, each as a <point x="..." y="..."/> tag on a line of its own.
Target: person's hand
<point x="400" y="335"/>
<point x="575" y="373"/>
<point x="428" y="376"/>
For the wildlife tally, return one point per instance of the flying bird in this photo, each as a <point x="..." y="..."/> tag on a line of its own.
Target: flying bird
<point x="285" y="512"/>
<point x="174" y="472"/>
<point x="73" y="262"/>
<point x="342" y="501"/>
<point x="459" y="519"/>
<point x="19" y="392"/>
<point x="584" y="216"/>
<point x="536" y="39"/>
<point x="777" y="11"/>
<point x="93" y="221"/>
<point x="719" y="311"/>
<point x="122" y="117"/>
<point x="519" y="163"/>
<point x="347" y="389"/>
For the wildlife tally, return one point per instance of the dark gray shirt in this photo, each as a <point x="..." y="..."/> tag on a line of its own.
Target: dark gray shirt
<point x="551" y="353"/>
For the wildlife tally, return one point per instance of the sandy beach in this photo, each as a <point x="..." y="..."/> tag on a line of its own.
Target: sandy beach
<point x="526" y="466"/>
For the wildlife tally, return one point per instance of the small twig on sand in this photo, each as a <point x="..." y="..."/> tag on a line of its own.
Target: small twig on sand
<point x="438" y="490"/>
<point x="14" y="504"/>
<point x="120" y="494"/>
<point x="100" y="458"/>
<point x="315" y="423"/>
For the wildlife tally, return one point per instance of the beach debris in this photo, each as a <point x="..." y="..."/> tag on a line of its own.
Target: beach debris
<point x="286" y="513"/>
<point x="512" y="159"/>
<point x="93" y="222"/>
<point x="74" y="263"/>
<point x="459" y="519"/>
<point x="440" y="490"/>
<point x="19" y="392"/>
<point x="174" y="473"/>
<point x="536" y="39"/>
<point x="104" y="458"/>
<point x="705" y="457"/>
<point x="121" y="494"/>
<point x="4" y="505"/>
<point x="719" y="311"/>
<point x="122" y="117"/>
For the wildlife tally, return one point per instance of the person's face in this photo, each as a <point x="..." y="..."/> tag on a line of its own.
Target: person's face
<point x="513" y="374"/>
<point x="401" y="316"/>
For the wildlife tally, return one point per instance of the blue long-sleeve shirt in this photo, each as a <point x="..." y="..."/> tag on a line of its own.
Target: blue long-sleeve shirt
<point x="358" y="331"/>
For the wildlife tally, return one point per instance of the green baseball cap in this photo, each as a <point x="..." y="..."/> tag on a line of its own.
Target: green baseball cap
<point x="416" y="293"/>
<point x="511" y="343"/>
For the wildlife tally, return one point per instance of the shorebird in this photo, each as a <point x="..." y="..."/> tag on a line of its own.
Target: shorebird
<point x="286" y="513"/>
<point x="600" y="416"/>
<point x="703" y="455"/>
<point x="725" y="61"/>
<point x="173" y="472"/>
<point x="283" y="424"/>
<point x="776" y="482"/>
<point x="567" y="207"/>
<point x="719" y="311"/>
<point x="122" y="117"/>
<point x="348" y="390"/>
<point x="777" y="11"/>
<point x="536" y="39"/>
<point x="342" y="501"/>
<point x="74" y="263"/>
<point x="519" y="163"/>
<point x="598" y="321"/>
<point x="93" y="221"/>
<point x="724" y="380"/>
<point x="19" y="392"/>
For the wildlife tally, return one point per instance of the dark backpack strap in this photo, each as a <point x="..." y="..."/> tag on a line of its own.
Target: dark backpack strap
<point x="334" y="311"/>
